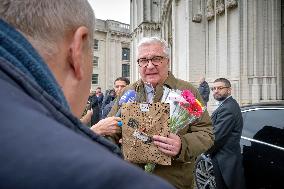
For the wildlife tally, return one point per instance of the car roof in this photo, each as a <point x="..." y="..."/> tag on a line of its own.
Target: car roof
<point x="272" y="104"/>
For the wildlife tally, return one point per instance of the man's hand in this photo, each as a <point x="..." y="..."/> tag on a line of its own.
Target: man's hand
<point x="169" y="145"/>
<point x="108" y="126"/>
<point x="87" y="118"/>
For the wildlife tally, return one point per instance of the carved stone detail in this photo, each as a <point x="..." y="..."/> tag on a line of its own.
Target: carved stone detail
<point x="197" y="18"/>
<point x="196" y="11"/>
<point x="220" y="7"/>
<point x="146" y="26"/>
<point x="210" y="10"/>
<point x="231" y="4"/>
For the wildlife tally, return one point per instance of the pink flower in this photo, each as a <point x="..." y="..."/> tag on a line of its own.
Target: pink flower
<point x="188" y="96"/>
<point x="194" y="107"/>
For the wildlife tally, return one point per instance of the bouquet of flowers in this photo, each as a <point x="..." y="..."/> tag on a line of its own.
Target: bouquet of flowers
<point x="184" y="110"/>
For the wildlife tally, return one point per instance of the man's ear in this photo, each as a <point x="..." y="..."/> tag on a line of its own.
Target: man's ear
<point x="168" y="62"/>
<point x="77" y="50"/>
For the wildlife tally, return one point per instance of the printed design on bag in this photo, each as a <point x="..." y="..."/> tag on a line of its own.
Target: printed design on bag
<point x="141" y="125"/>
<point x="144" y="107"/>
<point x="142" y="136"/>
<point x="133" y="123"/>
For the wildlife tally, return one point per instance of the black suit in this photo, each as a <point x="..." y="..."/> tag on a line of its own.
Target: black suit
<point x="226" y="153"/>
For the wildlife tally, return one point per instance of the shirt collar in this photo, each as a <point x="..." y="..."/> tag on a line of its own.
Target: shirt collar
<point x="148" y="89"/>
<point x="218" y="103"/>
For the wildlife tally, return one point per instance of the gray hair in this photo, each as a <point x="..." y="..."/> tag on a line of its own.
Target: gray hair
<point x="155" y="40"/>
<point x="44" y="22"/>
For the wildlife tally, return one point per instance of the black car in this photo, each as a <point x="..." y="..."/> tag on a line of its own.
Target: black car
<point x="262" y="145"/>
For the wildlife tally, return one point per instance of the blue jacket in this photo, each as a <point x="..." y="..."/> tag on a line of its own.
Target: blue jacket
<point x="42" y="145"/>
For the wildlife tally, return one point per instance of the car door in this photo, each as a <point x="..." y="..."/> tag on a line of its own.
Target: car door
<point x="263" y="147"/>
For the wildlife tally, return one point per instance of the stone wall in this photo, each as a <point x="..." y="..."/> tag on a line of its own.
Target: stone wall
<point x="236" y="39"/>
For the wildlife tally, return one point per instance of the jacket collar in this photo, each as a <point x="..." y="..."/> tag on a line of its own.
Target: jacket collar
<point x="221" y="103"/>
<point x="170" y="82"/>
<point x="15" y="49"/>
<point x="22" y="66"/>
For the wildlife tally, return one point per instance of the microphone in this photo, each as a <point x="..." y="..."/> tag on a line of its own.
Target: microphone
<point x="128" y="96"/>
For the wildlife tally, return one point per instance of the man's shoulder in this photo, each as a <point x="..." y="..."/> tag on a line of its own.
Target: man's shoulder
<point x="43" y="143"/>
<point x="110" y="104"/>
<point x="182" y="84"/>
<point x="177" y="83"/>
<point x="230" y="104"/>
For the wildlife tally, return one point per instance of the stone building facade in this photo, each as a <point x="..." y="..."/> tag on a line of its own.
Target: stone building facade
<point x="112" y="41"/>
<point x="236" y="39"/>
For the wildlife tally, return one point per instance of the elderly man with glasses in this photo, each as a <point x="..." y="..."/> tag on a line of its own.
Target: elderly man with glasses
<point x="186" y="145"/>
<point x="228" y="124"/>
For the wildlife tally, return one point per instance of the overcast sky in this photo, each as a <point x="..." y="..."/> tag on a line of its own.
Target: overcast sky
<point x="118" y="10"/>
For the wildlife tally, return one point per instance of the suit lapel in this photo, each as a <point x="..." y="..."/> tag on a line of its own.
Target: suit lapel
<point x="158" y="93"/>
<point x="213" y="116"/>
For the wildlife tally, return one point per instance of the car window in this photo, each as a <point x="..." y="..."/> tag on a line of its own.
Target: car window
<point x="266" y="125"/>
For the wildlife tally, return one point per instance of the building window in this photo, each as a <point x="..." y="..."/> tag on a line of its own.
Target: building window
<point x="95" y="79"/>
<point x="96" y="61"/>
<point x="125" y="54"/>
<point x="125" y="70"/>
<point x="96" y="44"/>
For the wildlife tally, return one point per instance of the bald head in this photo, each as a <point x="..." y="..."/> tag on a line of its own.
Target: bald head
<point x="44" y="22"/>
<point x="62" y="33"/>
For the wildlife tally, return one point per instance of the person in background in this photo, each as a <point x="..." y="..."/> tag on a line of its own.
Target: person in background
<point x="45" y="76"/>
<point x="228" y="124"/>
<point x="106" y="93"/>
<point x="96" y="104"/>
<point x="99" y="95"/>
<point x="90" y="98"/>
<point x="119" y="84"/>
<point x="88" y="111"/>
<point x="153" y="61"/>
<point x="108" y="97"/>
<point x="107" y="126"/>
<point x="204" y="90"/>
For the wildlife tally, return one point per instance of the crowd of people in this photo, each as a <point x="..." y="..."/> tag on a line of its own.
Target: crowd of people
<point x="100" y="103"/>
<point x="98" y="107"/>
<point x="45" y="73"/>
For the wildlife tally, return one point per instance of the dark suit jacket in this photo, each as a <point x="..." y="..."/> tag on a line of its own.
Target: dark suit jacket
<point x="228" y="124"/>
<point x="96" y="103"/>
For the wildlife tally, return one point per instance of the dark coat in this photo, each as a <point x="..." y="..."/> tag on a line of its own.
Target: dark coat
<point x="228" y="124"/>
<point x="204" y="91"/>
<point x="42" y="145"/>
<point x="96" y="104"/>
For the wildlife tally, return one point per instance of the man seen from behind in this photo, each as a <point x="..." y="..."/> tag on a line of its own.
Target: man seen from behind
<point x="45" y="76"/>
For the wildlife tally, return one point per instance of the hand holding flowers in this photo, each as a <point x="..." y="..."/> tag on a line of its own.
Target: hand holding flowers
<point x="184" y="110"/>
<point x="170" y="145"/>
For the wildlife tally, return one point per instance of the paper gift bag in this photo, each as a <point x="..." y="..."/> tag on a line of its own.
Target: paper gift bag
<point x="140" y="123"/>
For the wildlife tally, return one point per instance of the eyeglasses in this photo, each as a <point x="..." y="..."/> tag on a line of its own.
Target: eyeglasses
<point x="218" y="88"/>
<point x="155" y="60"/>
